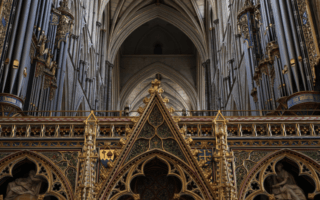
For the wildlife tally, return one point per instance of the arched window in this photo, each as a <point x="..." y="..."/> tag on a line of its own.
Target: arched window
<point x="157" y="49"/>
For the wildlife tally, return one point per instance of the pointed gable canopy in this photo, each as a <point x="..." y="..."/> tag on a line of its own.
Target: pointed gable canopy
<point x="156" y="133"/>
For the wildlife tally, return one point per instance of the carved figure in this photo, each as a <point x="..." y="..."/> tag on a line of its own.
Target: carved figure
<point x="285" y="186"/>
<point x="21" y="186"/>
<point x="42" y="47"/>
<point x="53" y="67"/>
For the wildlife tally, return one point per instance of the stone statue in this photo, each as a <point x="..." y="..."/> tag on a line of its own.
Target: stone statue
<point x="23" y="186"/>
<point x="285" y="187"/>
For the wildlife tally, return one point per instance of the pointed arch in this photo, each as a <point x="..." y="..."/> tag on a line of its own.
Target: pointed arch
<point x="139" y="145"/>
<point x="174" y="164"/>
<point x="257" y="173"/>
<point x="41" y="162"/>
<point x="152" y="12"/>
<point x="167" y="71"/>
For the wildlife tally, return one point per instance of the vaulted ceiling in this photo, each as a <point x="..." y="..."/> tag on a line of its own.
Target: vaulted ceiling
<point x="127" y="15"/>
<point x="181" y="27"/>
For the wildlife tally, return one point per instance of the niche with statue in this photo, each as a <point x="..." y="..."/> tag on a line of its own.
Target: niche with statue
<point x="24" y="181"/>
<point x="288" y="183"/>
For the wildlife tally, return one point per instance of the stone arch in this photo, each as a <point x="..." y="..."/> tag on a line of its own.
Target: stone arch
<point x="102" y="9"/>
<point x="43" y="164"/>
<point x="307" y="167"/>
<point x="152" y="12"/>
<point x="136" y="79"/>
<point x="75" y="10"/>
<point x="175" y="165"/>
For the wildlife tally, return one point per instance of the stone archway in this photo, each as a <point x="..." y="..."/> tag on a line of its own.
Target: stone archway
<point x="58" y="184"/>
<point x="254" y="183"/>
<point x="151" y="70"/>
<point x="169" y="169"/>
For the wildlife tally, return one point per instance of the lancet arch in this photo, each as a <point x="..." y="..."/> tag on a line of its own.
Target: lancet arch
<point x="136" y="168"/>
<point x="253" y="185"/>
<point x="58" y="185"/>
<point x="154" y="134"/>
<point x="165" y="70"/>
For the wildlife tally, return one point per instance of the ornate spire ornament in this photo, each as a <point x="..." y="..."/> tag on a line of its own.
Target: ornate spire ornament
<point x="88" y="159"/>
<point x="224" y="184"/>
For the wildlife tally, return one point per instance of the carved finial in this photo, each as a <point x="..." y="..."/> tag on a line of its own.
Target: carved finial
<point x="122" y="142"/>
<point x="155" y="86"/>
<point x="171" y="110"/>
<point x="146" y="100"/>
<point x="189" y="141"/>
<point x="165" y="100"/>
<point x="140" y="110"/>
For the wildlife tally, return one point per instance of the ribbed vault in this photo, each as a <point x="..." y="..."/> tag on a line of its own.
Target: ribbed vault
<point x="127" y="16"/>
<point x="180" y="91"/>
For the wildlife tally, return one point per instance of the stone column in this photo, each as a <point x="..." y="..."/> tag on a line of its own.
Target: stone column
<point x="109" y="99"/>
<point x="208" y="81"/>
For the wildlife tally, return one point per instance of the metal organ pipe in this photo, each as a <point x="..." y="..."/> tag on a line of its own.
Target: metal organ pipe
<point x="11" y="45"/>
<point x="282" y="45"/>
<point x="289" y="42"/>
<point x="25" y="60"/>
<point x="296" y="44"/>
<point x="19" y="43"/>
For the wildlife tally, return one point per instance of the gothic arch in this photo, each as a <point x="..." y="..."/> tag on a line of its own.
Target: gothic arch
<point x="174" y="102"/>
<point x="76" y="11"/>
<point x="153" y="69"/>
<point x="44" y="167"/>
<point x="135" y="168"/>
<point x="152" y="12"/>
<point x="258" y="174"/>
